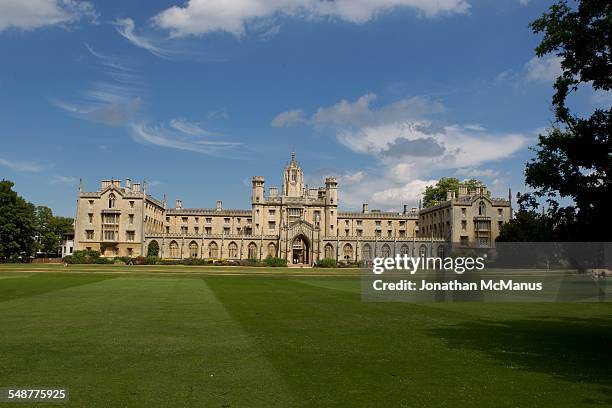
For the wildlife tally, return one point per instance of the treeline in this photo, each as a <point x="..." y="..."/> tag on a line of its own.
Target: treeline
<point x="27" y="229"/>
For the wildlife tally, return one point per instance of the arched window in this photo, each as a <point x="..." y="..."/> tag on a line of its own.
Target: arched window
<point x="112" y="200"/>
<point x="329" y="251"/>
<point x="347" y="251"/>
<point x="423" y="250"/>
<point x="233" y="250"/>
<point x="213" y="250"/>
<point x="482" y="209"/>
<point x="271" y="249"/>
<point x="366" y="251"/>
<point x="252" y="251"/>
<point x="193" y="249"/>
<point x="174" y="250"/>
<point x="386" y="251"/>
<point x="404" y="250"/>
<point x="441" y="251"/>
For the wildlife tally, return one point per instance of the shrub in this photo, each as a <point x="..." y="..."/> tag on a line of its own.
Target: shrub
<point x="275" y="262"/>
<point x="249" y="262"/>
<point x="327" y="263"/>
<point x="86" y="256"/>
<point x="153" y="249"/>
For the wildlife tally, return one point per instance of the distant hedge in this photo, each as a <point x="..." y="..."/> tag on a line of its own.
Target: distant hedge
<point x="93" y="257"/>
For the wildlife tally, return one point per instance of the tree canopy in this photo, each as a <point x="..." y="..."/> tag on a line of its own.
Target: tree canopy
<point x="438" y="191"/>
<point x="573" y="159"/>
<point x="17" y="227"/>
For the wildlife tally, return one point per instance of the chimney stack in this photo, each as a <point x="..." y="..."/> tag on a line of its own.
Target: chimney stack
<point x="179" y="204"/>
<point x="405" y="209"/>
<point x="219" y="205"/>
<point x="365" y="208"/>
<point x="128" y="185"/>
<point x="136" y="188"/>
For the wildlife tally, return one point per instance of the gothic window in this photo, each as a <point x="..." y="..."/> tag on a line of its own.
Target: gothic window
<point x="193" y="249"/>
<point x="347" y="251"/>
<point x="233" y="250"/>
<point x="386" y="251"/>
<point x="482" y="209"/>
<point x="111" y="201"/>
<point x="404" y="250"/>
<point x="441" y="251"/>
<point x="174" y="250"/>
<point x="271" y="249"/>
<point x="252" y="251"/>
<point x="423" y="251"/>
<point x="366" y="252"/>
<point x="213" y="250"/>
<point x="329" y="251"/>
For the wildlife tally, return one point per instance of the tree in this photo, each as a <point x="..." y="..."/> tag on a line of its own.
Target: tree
<point x="49" y="229"/>
<point x="153" y="249"/>
<point x="438" y="191"/>
<point x="16" y="223"/>
<point x="573" y="159"/>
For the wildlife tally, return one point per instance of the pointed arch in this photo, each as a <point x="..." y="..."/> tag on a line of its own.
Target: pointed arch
<point x="174" y="249"/>
<point x="213" y="250"/>
<point x="232" y="249"/>
<point x="366" y="252"/>
<point x="252" y="251"/>
<point x="193" y="249"/>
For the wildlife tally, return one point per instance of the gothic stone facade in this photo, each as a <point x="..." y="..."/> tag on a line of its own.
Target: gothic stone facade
<point x="299" y="224"/>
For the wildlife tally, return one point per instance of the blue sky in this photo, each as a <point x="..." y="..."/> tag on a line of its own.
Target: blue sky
<point x="387" y="95"/>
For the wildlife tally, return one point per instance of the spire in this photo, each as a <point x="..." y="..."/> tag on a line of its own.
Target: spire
<point x="80" y="185"/>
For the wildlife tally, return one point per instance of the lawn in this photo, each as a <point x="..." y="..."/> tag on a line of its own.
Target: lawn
<point x="182" y="336"/>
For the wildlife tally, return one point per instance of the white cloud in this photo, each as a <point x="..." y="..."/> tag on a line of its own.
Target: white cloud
<point x="545" y="69"/>
<point x="161" y="136"/>
<point x="476" y="173"/>
<point x="200" y="17"/>
<point x="358" y="113"/>
<point x="289" y="118"/>
<point x="193" y="129"/>
<point x="410" y="192"/>
<point x="32" y="14"/>
<point x="21" y="166"/>
<point x="63" y="180"/>
<point x="409" y="146"/>
<point x="126" y="26"/>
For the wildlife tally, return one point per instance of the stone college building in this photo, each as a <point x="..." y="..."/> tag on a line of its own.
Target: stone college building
<point x="299" y="224"/>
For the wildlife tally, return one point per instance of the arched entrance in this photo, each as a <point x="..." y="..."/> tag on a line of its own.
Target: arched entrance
<point x="299" y="250"/>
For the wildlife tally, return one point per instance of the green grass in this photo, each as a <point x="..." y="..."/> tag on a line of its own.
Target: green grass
<point x="150" y="338"/>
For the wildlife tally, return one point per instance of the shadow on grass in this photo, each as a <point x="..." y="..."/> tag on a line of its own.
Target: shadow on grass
<point x="35" y="285"/>
<point x="577" y="350"/>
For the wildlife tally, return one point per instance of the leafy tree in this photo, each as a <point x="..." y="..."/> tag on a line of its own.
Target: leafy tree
<point x="153" y="249"/>
<point x="527" y="226"/>
<point x="49" y="229"/>
<point x="438" y="191"/>
<point x="17" y="228"/>
<point x="574" y="157"/>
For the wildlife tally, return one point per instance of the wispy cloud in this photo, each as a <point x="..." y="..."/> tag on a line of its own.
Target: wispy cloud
<point x="126" y="27"/>
<point x="63" y="180"/>
<point x="32" y="14"/>
<point x="173" y="138"/>
<point x="114" y="101"/>
<point x="21" y="166"/>
<point x="193" y="129"/>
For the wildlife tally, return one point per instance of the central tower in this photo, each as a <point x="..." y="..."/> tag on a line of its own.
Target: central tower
<point x="293" y="179"/>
